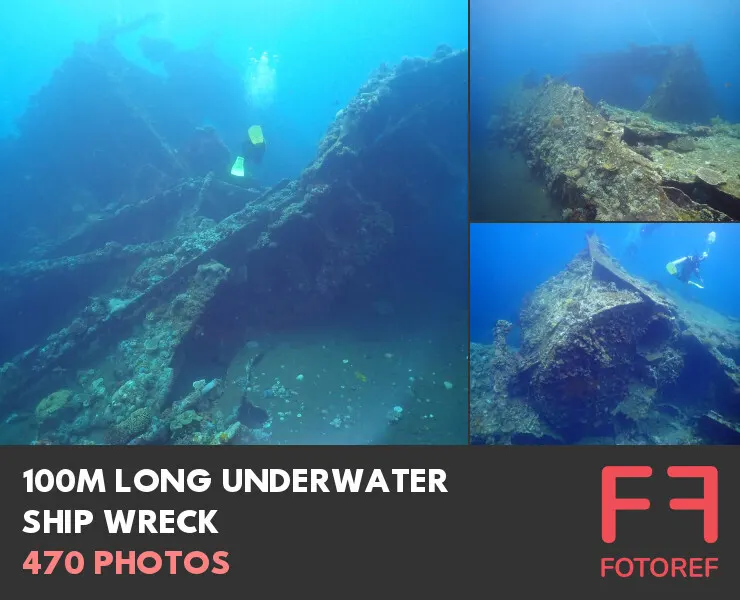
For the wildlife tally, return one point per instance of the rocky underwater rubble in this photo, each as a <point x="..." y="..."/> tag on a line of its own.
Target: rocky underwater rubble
<point x="105" y="309"/>
<point x="600" y="162"/>
<point x="606" y="357"/>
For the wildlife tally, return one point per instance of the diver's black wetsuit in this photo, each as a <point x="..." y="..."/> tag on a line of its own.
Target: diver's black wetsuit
<point x="690" y="267"/>
<point x="253" y="152"/>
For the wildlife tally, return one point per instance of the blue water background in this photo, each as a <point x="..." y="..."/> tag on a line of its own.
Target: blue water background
<point x="510" y="37"/>
<point x="326" y="50"/>
<point x="508" y="261"/>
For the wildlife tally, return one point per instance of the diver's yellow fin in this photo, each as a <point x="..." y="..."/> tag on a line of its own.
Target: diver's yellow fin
<point x="671" y="268"/>
<point x="255" y="135"/>
<point x="237" y="170"/>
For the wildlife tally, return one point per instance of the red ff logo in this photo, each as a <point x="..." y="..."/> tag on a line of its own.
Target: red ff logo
<point x="610" y="504"/>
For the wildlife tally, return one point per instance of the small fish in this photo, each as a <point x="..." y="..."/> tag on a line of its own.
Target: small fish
<point x="360" y="377"/>
<point x="728" y="84"/>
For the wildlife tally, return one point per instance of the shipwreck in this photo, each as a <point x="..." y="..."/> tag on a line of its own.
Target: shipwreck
<point x="159" y="253"/>
<point x="604" y="155"/>
<point x="606" y="357"/>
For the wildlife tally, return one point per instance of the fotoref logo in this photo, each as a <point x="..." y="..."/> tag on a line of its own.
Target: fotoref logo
<point x="614" y="509"/>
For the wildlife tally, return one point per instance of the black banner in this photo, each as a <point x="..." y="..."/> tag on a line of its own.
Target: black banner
<point x="413" y="521"/>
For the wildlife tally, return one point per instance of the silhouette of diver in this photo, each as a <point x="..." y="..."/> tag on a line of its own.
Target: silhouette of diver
<point x="644" y="232"/>
<point x="253" y="149"/>
<point x="648" y="229"/>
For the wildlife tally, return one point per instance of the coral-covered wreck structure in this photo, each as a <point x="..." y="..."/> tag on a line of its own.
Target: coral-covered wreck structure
<point x="158" y="252"/>
<point x="669" y="159"/>
<point x="606" y="357"/>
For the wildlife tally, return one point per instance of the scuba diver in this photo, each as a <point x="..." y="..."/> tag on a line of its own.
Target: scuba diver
<point x="253" y="149"/>
<point x="638" y="235"/>
<point x="648" y="229"/>
<point x="687" y="267"/>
